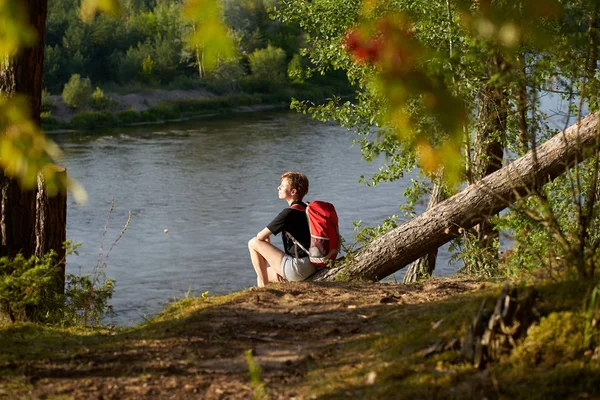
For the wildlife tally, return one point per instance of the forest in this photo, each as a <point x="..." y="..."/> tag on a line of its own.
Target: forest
<point x="148" y="45"/>
<point x="449" y="89"/>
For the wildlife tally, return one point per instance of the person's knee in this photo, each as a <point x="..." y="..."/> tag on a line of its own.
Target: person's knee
<point x="252" y="242"/>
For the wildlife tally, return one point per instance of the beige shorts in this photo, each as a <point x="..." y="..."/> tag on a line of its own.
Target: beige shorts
<point x="296" y="270"/>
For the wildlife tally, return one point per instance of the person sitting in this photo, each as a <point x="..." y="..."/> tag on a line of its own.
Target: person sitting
<point x="293" y="263"/>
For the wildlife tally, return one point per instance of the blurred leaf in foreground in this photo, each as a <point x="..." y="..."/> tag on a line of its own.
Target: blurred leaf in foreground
<point x="89" y="8"/>
<point x="210" y="33"/>
<point x="25" y="151"/>
<point x="389" y="45"/>
<point x="15" y="31"/>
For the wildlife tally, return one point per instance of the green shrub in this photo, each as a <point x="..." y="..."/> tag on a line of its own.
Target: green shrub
<point x="185" y="82"/>
<point x="163" y="111"/>
<point x="295" y="70"/>
<point x="268" y="68"/>
<point x="129" y="116"/>
<point x="50" y="123"/>
<point x="148" y="116"/>
<point x="47" y="103"/>
<point x="212" y="104"/>
<point x="29" y="291"/>
<point x="225" y="78"/>
<point x="77" y="92"/>
<point x="93" y="119"/>
<point x="99" y="100"/>
<point x="86" y="300"/>
<point x="147" y="68"/>
<point x="31" y="288"/>
<point x="26" y="283"/>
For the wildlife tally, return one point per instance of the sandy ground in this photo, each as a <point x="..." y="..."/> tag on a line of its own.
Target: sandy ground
<point x="287" y="326"/>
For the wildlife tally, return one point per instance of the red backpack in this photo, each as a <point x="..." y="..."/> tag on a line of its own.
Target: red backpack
<point x="325" y="240"/>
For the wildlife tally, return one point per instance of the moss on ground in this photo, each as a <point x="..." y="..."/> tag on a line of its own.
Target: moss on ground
<point x="551" y="361"/>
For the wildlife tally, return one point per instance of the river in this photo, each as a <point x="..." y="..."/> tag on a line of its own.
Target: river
<point x="198" y="191"/>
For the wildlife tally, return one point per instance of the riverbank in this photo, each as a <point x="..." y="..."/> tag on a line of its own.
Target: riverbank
<point x="311" y="340"/>
<point x="160" y="106"/>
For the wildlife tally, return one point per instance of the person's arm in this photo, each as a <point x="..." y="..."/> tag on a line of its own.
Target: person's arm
<point x="264" y="235"/>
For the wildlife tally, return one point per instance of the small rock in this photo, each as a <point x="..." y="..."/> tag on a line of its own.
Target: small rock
<point x="371" y="377"/>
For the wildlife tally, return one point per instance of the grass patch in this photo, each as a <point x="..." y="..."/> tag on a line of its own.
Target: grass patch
<point x="28" y="341"/>
<point x="179" y="316"/>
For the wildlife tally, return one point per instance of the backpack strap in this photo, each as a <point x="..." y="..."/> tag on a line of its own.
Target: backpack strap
<point x="298" y="207"/>
<point x="297" y="243"/>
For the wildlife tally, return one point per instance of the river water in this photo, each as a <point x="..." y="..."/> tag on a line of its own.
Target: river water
<point x="212" y="184"/>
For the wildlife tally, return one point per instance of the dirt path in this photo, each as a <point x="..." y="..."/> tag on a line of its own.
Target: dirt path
<point x="202" y="357"/>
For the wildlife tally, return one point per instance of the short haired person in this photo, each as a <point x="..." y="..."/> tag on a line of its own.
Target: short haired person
<point x="293" y="263"/>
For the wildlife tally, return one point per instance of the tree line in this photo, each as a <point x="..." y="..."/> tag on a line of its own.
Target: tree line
<point x="148" y="44"/>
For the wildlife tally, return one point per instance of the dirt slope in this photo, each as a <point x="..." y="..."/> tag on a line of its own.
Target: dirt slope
<point x="287" y="326"/>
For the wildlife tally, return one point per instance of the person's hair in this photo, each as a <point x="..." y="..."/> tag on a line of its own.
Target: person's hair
<point x="298" y="181"/>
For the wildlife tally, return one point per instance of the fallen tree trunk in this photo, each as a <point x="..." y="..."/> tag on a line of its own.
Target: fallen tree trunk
<point x="442" y="223"/>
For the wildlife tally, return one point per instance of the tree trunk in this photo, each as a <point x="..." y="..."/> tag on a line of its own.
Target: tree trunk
<point x="404" y="244"/>
<point x="22" y="75"/>
<point x="487" y="158"/>
<point x="51" y="227"/>
<point x="424" y="266"/>
<point x="17" y="219"/>
<point x="521" y="105"/>
<point x="31" y="222"/>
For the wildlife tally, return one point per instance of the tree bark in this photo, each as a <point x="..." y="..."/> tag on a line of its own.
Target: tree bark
<point x="51" y="227"/>
<point x="424" y="266"/>
<point x="487" y="155"/>
<point x="22" y="75"/>
<point x="17" y="219"/>
<point x="404" y="244"/>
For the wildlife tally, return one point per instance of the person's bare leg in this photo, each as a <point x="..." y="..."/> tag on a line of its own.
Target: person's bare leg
<point x="261" y="253"/>
<point x="260" y="267"/>
<point x="274" y="276"/>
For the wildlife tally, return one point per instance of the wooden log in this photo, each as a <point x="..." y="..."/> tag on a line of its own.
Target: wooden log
<point x="423" y="267"/>
<point x="399" y="247"/>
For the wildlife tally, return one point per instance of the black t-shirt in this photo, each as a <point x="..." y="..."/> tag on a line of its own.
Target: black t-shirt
<point x="296" y="224"/>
